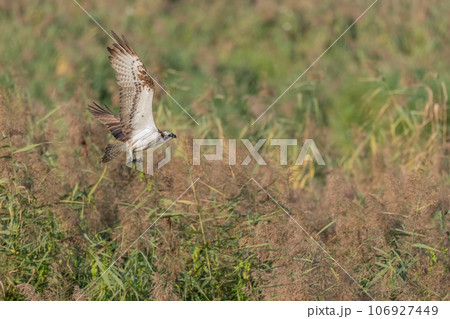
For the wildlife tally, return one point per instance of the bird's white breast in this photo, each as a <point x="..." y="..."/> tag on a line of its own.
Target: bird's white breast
<point x="144" y="139"/>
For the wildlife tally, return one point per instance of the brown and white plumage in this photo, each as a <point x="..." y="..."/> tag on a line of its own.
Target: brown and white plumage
<point x="135" y="127"/>
<point x="108" y="118"/>
<point x="136" y="87"/>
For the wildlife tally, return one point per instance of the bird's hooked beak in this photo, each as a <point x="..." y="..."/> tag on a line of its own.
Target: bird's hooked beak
<point x="172" y="135"/>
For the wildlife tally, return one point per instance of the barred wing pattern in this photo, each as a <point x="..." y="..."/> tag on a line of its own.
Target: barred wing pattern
<point x="136" y="89"/>
<point x="108" y="118"/>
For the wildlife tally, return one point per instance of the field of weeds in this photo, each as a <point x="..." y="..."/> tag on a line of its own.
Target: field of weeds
<point x="376" y="105"/>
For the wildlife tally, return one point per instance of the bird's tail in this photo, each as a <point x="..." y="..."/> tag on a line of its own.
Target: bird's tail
<point x="113" y="150"/>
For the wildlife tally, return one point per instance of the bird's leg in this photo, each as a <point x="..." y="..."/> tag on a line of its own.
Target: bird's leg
<point x="139" y="161"/>
<point x="130" y="158"/>
<point x="138" y="157"/>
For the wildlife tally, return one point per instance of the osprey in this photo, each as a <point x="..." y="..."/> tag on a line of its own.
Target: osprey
<point x="135" y="128"/>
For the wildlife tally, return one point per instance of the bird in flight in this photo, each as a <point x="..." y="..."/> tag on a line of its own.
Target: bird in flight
<point x="135" y="128"/>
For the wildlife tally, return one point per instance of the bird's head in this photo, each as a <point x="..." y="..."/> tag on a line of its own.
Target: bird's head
<point x="166" y="135"/>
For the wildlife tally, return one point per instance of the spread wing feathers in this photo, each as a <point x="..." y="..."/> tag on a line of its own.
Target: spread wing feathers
<point x="108" y="118"/>
<point x="113" y="150"/>
<point x="136" y="88"/>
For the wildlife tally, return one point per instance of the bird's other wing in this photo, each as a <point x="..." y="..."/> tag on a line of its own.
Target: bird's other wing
<point x="108" y="118"/>
<point x="136" y="88"/>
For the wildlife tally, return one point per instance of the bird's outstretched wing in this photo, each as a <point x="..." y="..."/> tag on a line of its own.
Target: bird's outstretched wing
<point x="108" y="118"/>
<point x="136" y="89"/>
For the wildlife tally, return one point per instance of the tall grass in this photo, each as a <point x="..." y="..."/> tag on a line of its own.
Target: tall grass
<point x="376" y="106"/>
